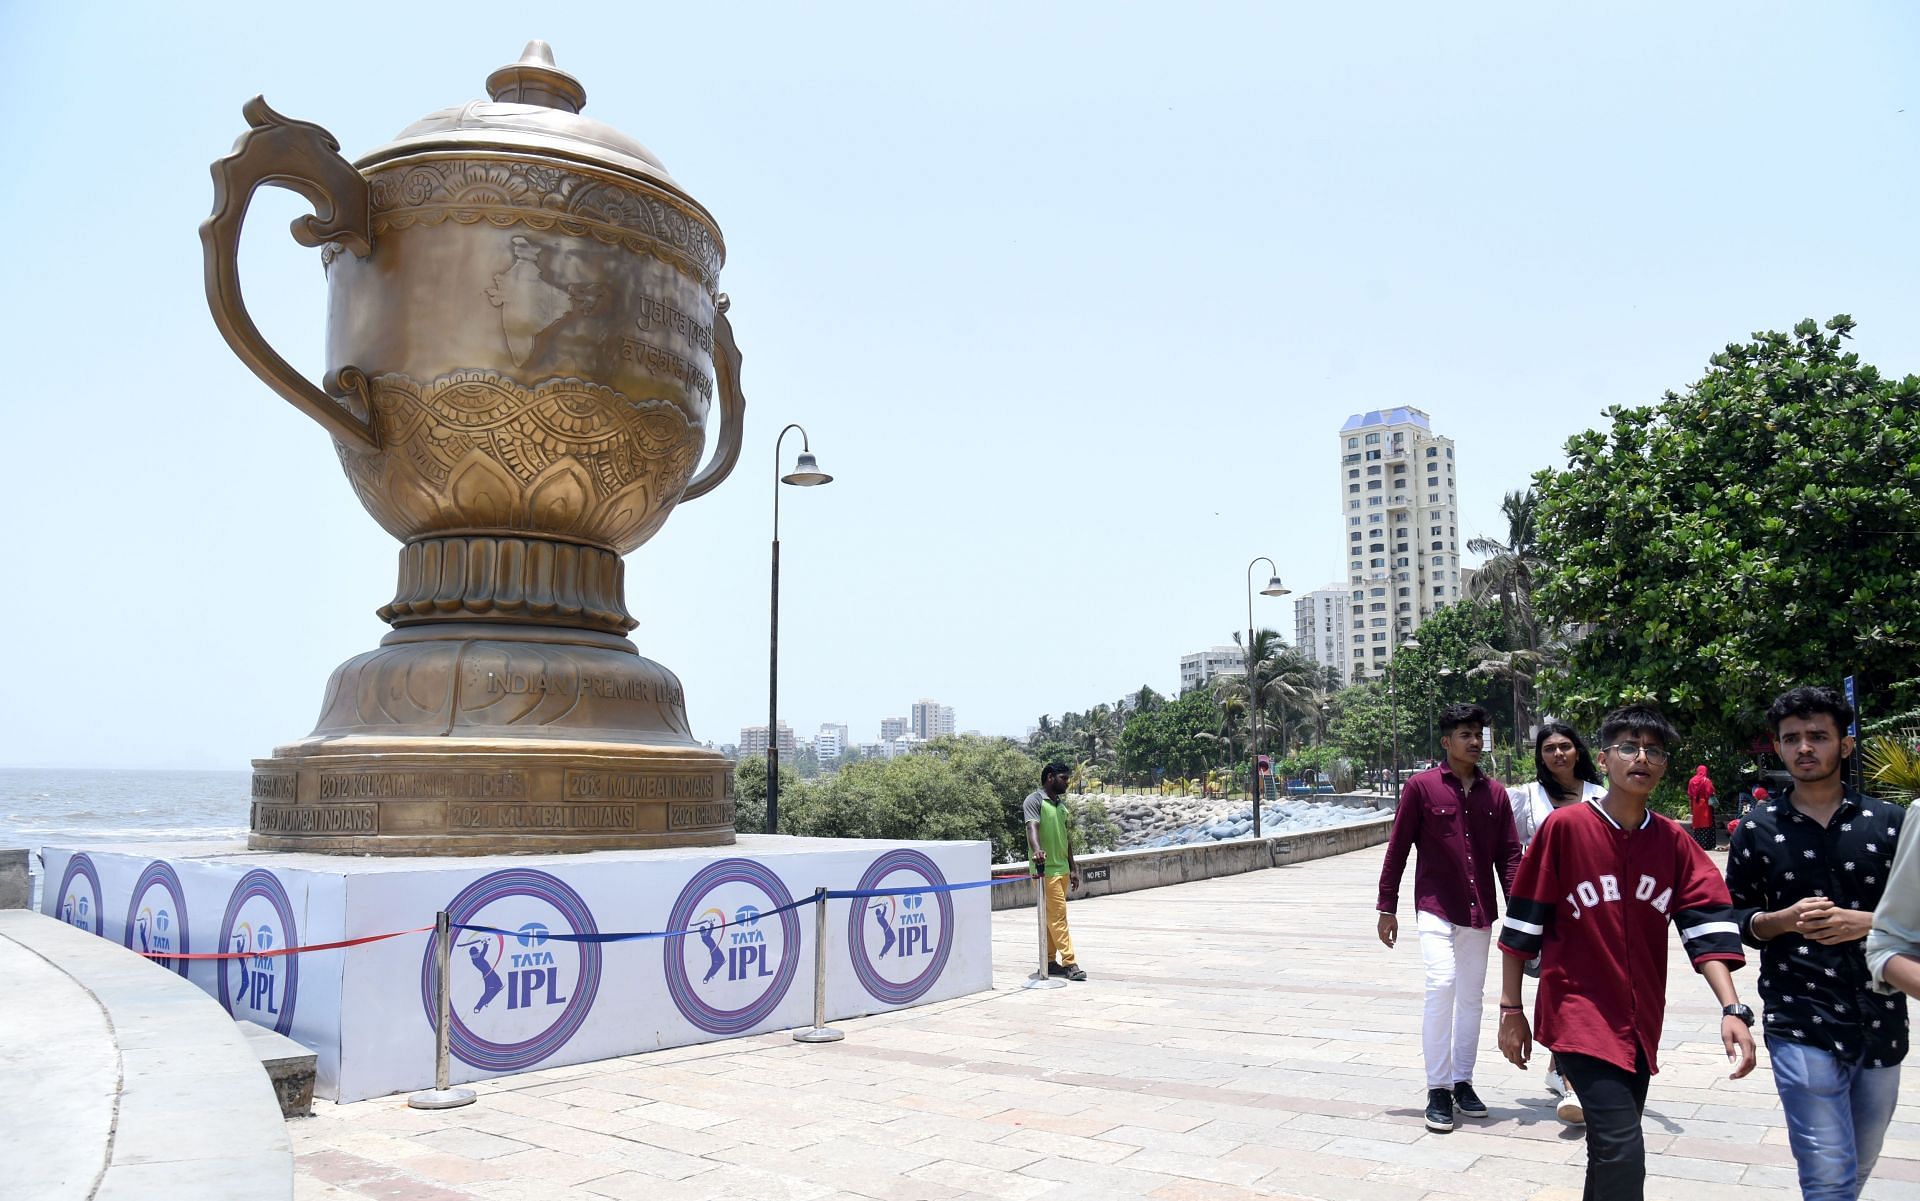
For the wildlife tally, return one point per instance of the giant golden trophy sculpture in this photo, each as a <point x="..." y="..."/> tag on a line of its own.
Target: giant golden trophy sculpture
<point x="525" y="339"/>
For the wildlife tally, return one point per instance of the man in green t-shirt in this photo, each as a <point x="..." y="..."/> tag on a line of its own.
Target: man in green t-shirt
<point x="1050" y="843"/>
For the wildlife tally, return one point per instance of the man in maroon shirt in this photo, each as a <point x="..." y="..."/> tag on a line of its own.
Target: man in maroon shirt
<point x="1463" y="825"/>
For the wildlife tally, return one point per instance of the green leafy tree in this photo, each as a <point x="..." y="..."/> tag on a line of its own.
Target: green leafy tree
<point x="750" y="795"/>
<point x="1364" y="721"/>
<point x="1162" y="739"/>
<point x="953" y="788"/>
<point x="1759" y="531"/>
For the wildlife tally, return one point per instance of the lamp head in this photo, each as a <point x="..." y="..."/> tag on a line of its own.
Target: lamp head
<point x="806" y="472"/>
<point x="1275" y="588"/>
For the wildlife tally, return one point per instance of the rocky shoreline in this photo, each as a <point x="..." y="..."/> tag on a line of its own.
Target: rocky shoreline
<point x="1146" y="820"/>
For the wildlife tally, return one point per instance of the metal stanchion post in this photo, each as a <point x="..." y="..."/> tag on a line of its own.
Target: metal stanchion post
<point x="1040" y="979"/>
<point x="441" y="1095"/>
<point x="820" y="1032"/>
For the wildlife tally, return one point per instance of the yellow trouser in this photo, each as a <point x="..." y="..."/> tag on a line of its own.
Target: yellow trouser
<point x="1059" y="944"/>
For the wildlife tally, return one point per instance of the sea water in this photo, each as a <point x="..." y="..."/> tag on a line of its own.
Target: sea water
<point x="73" y="806"/>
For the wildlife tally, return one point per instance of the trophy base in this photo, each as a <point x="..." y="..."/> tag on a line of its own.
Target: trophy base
<point x="484" y="739"/>
<point x="458" y="796"/>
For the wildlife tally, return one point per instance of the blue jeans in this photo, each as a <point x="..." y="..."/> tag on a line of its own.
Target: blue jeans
<point x="1837" y="1115"/>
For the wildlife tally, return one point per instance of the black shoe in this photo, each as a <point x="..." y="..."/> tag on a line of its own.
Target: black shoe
<point x="1054" y="969"/>
<point x="1074" y="973"/>
<point x="1467" y="1101"/>
<point x="1439" y="1110"/>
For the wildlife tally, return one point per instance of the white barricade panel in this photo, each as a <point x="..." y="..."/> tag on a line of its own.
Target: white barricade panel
<point x="525" y="993"/>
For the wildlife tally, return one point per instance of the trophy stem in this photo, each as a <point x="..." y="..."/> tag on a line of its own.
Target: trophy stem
<point x="489" y="578"/>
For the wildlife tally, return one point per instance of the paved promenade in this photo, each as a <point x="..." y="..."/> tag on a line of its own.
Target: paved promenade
<point x="1243" y="1037"/>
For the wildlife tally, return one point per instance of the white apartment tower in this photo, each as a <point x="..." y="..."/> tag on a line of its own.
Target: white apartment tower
<point x="1320" y="626"/>
<point x="1199" y="668"/>
<point x="931" y="719"/>
<point x="753" y="741"/>
<point x="1402" y="527"/>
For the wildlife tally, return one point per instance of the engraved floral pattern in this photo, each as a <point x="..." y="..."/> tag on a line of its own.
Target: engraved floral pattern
<point x="505" y="193"/>
<point x="477" y="451"/>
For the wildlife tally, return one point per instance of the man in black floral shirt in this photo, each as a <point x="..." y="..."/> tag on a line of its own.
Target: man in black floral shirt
<point x="1806" y="872"/>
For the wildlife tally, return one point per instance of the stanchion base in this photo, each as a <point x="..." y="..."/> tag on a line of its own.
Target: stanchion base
<point x="441" y="1098"/>
<point x="1039" y="981"/>
<point x="818" y="1034"/>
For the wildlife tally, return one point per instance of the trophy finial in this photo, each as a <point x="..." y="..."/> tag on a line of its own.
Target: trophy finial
<point x="535" y="79"/>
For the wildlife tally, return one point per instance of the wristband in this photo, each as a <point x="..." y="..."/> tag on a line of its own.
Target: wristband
<point x="1504" y="1008"/>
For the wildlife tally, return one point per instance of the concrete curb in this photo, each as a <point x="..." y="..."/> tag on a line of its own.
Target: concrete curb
<point x="141" y="1085"/>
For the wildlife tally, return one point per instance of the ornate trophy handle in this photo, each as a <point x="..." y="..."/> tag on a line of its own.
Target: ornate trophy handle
<point x="733" y="406"/>
<point x="303" y="158"/>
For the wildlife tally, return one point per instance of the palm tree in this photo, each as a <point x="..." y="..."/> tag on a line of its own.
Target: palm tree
<point x="1278" y="688"/>
<point x="1511" y="569"/>
<point x="1508" y="576"/>
<point x="1225" y="739"/>
<point x="1097" y="736"/>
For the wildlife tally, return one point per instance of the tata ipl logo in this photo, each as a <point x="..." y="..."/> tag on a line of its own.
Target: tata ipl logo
<point x="734" y="969"/>
<point x="517" y="996"/>
<point x="77" y="902"/>
<point x="157" y="916"/>
<point x="900" y="944"/>
<point x="259" y="987"/>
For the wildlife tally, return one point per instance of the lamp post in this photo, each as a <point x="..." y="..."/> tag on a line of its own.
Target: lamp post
<point x="806" y="473"/>
<point x="1393" y="707"/>
<point x="1433" y="699"/>
<point x="1274" y="588"/>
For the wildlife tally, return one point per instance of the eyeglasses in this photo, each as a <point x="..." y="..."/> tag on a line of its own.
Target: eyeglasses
<point x="1630" y="751"/>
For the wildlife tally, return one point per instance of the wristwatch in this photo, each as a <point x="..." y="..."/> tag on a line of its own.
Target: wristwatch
<point x="1739" y="1011"/>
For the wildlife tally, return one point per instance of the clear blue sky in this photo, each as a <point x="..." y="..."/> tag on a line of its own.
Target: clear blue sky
<point x="1071" y="297"/>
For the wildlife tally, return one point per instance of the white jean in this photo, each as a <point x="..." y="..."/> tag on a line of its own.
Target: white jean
<point x="1456" y="958"/>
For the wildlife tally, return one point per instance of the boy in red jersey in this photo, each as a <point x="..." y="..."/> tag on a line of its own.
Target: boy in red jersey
<point x="1597" y="887"/>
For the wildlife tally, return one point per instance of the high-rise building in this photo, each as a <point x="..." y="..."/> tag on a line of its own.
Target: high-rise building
<point x="892" y="727"/>
<point x="1201" y="666"/>
<point x="931" y="719"/>
<point x="1320" y="626"/>
<point x="831" y="743"/>
<point x="753" y="741"/>
<point x="1401" y="525"/>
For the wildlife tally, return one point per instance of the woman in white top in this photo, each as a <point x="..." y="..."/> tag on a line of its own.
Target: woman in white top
<point x="1564" y="772"/>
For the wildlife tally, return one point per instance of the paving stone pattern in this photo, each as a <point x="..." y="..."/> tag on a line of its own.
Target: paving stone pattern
<point x="1240" y="1037"/>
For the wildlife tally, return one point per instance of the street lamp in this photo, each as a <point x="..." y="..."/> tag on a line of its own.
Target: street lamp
<point x="1393" y="707"/>
<point x="1433" y="699"/>
<point x="806" y="473"/>
<point x="1274" y="588"/>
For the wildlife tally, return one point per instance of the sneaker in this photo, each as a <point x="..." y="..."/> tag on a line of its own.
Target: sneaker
<point x="1054" y="969"/>
<point x="1074" y="973"/>
<point x="1440" y="1110"/>
<point x="1555" y="1087"/>
<point x="1569" y="1110"/>
<point x="1467" y="1101"/>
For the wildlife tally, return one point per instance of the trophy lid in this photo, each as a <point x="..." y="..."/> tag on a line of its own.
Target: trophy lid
<point x="534" y="107"/>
